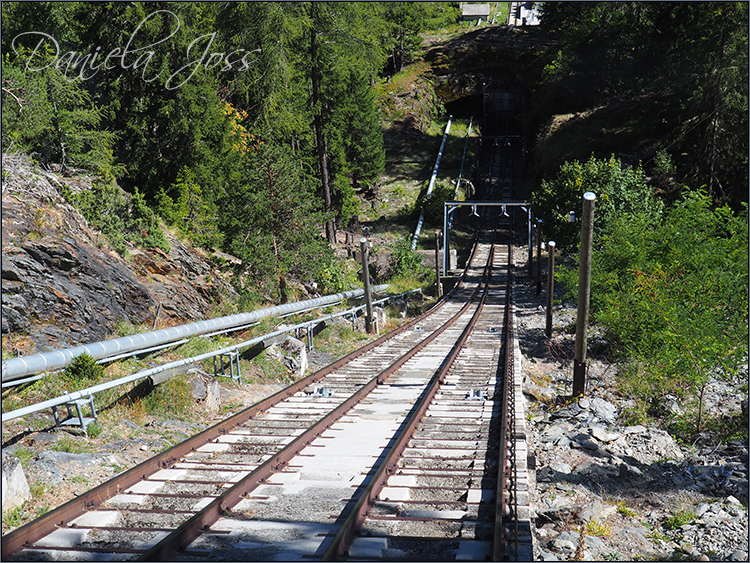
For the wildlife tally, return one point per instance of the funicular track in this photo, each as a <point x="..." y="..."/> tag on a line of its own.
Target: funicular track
<point x="390" y="452"/>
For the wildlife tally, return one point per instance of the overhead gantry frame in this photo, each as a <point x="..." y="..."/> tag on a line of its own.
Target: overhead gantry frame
<point x="450" y="206"/>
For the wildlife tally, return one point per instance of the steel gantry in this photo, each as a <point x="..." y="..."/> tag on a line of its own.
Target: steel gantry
<point x="450" y="206"/>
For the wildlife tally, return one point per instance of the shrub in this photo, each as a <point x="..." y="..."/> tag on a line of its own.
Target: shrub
<point x="678" y="520"/>
<point x="106" y="208"/>
<point x="83" y="369"/>
<point x="619" y="191"/>
<point x="406" y="262"/>
<point x="599" y="529"/>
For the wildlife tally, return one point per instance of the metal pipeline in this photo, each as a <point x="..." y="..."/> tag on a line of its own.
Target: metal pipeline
<point x="16" y="368"/>
<point x="427" y="196"/>
<point x="83" y="393"/>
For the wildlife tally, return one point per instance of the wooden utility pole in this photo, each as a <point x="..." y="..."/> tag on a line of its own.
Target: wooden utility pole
<point x="550" y="285"/>
<point x="366" y="280"/>
<point x="584" y="294"/>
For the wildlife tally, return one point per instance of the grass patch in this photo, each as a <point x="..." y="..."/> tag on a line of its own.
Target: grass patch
<point x="135" y="411"/>
<point x="340" y="339"/>
<point x="678" y="520"/>
<point x="598" y="529"/>
<point x="657" y="536"/>
<point x="171" y="399"/>
<point x="38" y="488"/>
<point x="24" y="455"/>
<point x="95" y="429"/>
<point x="624" y="509"/>
<point x="72" y="445"/>
<point x="13" y="518"/>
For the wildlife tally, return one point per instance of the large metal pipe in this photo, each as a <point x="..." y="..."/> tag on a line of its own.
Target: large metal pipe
<point x="16" y="368"/>
<point x="58" y="401"/>
<point x="431" y="185"/>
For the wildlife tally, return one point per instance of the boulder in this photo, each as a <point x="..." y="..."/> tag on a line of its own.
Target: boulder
<point x="604" y="410"/>
<point x="15" y="488"/>
<point x="294" y="352"/>
<point x="205" y="390"/>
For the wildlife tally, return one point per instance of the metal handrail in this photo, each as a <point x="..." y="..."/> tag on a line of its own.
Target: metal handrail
<point x="11" y="415"/>
<point x="16" y="368"/>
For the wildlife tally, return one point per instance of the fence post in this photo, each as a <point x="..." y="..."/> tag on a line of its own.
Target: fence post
<point x="538" y="229"/>
<point x="550" y="285"/>
<point x="366" y="280"/>
<point x="584" y="294"/>
<point x="438" y="285"/>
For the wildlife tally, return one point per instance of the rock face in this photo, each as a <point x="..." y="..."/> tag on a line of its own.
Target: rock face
<point x="14" y="486"/>
<point x="71" y="292"/>
<point x="61" y="284"/>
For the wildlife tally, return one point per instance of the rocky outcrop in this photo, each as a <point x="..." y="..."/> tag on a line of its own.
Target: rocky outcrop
<point x="63" y="292"/>
<point x="63" y="286"/>
<point x="292" y="353"/>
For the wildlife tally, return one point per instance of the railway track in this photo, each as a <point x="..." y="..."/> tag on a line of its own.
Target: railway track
<point x="393" y="452"/>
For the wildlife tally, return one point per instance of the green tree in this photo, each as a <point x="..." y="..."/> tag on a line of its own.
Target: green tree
<point x="274" y="222"/>
<point x="619" y="191"/>
<point x="53" y="119"/>
<point x="189" y="211"/>
<point x="118" y="216"/>
<point x="673" y="294"/>
<point x="406" y="21"/>
<point x="340" y="39"/>
<point x="694" y="55"/>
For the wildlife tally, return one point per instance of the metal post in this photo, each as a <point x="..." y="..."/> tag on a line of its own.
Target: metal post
<point x="538" y="256"/>
<point x="484" y="107"/>
<point x="550" y="285"/>
<point x="584" y="294"/>
<point x="438" y="285"/>
<point x="366" y="280"/>
<point x="531" y="245"/>
<point x="446" y="251"/>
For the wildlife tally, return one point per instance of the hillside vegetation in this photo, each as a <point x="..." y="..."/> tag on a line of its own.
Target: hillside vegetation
<point x="247" y="127"/>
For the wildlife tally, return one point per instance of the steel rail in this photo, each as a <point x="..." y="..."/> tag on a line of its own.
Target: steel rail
<point x="500" y="536"/>
<point x="187" y="532"/>
<point x="32" y="531"/>
<point x="29" y="533"/>
<point x="344" y="537"/>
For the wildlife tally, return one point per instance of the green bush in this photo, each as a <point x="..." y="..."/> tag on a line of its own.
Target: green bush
<point x="619" y="191"/>
<point x="106" y="208"/>
<point x="434" y="208"/>
<point x="406" y="262"/>
<point x="83" y="369"/>
<point x="678" y="520"/>
<point x="672" y="293"/>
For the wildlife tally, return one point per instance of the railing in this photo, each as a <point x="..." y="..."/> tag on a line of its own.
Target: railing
<point x="84" y="393"/>
<point x="16" y="368"/>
